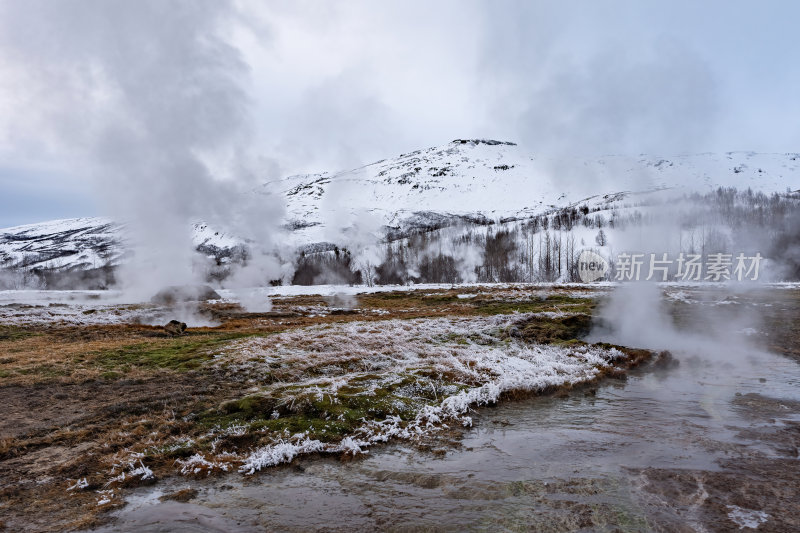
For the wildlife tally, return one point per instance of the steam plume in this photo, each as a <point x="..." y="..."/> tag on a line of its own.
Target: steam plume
<point x="152" y="99"/>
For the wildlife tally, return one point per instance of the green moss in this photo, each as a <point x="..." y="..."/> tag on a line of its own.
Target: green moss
<point x="573" y="342"/>
<point x="250" y="406"/>
<point x="295" y="409"/>
<point x="559" y="330"/>
<point x="551" y="303"/>
<point x="15" y="333"/>
<point x="323" y="419"/>
<point x="180" y="353"/>
<point x="630" y="520"/>
<point x="473" y="338"/>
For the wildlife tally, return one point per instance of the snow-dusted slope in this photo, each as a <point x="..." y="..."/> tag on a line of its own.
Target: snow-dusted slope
<point x="79" y="243"/>
<point x="478" y="178"/>
<point x="475" y="180"/>
<point x="85" y="244"/>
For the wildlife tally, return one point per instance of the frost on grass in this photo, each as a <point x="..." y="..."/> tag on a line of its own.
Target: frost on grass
<point x="80" y="484"/>
<point x="281" y="452"/>
<point x="343" y="387"/>
<point x="199" y="464"/>
<point x="105" y="497"/>
<point x="132" y="468"/>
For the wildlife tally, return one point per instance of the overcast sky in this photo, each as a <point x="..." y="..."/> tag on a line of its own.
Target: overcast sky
<point x="332" y="85"/>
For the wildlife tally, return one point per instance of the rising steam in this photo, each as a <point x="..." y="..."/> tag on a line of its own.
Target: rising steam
<point x="150" y="99"/>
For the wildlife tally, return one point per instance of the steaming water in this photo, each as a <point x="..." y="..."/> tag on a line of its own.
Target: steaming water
<point x="524" y="464"/>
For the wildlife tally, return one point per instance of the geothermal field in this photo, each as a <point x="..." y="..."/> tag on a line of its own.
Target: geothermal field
<point x="346" y="407"/>
<point x="399" y="266"/>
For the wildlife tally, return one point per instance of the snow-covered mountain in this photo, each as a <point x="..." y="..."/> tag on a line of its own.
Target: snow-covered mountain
<point x="78" y="243"/>
<point x="463" y="181"/>
<point x="484" y="179"/>
<point x="87" y="243"/>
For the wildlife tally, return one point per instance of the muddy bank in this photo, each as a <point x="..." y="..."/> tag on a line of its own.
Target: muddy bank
<point x="56" y="432"/>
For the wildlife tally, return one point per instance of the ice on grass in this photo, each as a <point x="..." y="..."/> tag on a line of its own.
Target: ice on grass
<point x="475" y="361"/>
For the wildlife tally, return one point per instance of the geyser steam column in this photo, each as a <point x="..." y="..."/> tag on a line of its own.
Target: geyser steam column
<point x="179" y="91"/>
<point x="149" y="97"/>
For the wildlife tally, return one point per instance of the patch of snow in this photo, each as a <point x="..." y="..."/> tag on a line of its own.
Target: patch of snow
<point x="746" y="518"/>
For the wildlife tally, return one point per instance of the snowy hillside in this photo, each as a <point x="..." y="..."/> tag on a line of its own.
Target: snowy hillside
<point x="80" y="243"/>
<point x="86" y="243"/>
<point x="477" y="181"/>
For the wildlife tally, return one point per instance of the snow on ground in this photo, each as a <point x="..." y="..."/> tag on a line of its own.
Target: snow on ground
<point x="116" y="297"/>
<point x="746" y="518"/>
<point x="66" y="308"/>
<point x="288" y="291"/>
<point x="85" y="307"/>
<point x="68" y="315"/>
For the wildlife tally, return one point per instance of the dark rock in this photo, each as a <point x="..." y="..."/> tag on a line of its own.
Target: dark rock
<point x="175" y="328"/>
<point x="344" y="312"/>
